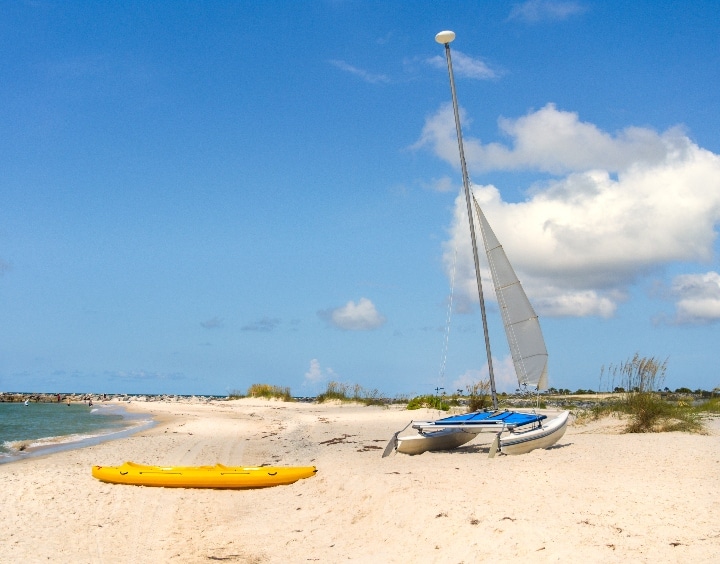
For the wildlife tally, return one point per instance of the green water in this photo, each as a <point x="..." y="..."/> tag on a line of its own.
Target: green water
<point x="27" y="428"/>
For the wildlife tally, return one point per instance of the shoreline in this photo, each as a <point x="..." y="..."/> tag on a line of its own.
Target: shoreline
<point x="135" y="421"/>
<point x="596" y="496"/>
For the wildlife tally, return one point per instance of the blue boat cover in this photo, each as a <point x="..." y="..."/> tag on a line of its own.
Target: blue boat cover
<point x="480" y="417"/>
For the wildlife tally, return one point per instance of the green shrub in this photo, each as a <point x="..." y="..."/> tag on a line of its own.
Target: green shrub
<point x="710" y="406"/>
<point x="478" y="395"/>
<point x="430" y="402"/>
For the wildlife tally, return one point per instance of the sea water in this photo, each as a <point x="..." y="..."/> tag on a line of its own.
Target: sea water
<point x="38" y="428"/>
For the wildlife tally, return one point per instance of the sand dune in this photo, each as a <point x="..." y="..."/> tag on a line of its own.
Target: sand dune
<point x="597" y="496"/>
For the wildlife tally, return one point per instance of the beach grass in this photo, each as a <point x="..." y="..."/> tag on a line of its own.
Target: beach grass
<point x="640" y="400"/>
<point x="429" y="401"/>
<point x="478" y="395"/>
<point x="711" y="406"/>
<point x="267" y="391"/>
<point x="350" y="393"/>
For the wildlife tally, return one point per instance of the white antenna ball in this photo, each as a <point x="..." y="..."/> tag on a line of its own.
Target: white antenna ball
<point x="445" y="37"/>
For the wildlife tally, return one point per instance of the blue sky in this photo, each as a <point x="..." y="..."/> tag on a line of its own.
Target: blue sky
<point x="195" y="197"/>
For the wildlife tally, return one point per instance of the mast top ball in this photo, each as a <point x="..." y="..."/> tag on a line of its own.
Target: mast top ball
<point x="445" y="37"/>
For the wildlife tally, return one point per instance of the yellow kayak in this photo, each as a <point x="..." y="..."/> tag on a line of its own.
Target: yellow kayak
<point x="217" y="476"/>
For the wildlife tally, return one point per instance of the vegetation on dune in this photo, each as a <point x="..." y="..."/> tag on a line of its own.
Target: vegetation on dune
<point x="478" y="395"/>
<point x="477" y="398"/>
<point x="350" y="393"/>
<point x="640" y="398"/>
<point x="712" y="406"/>
<point x="430" y="402"/>
<point x="637" y="396"/>
<point x="267" y="391"/>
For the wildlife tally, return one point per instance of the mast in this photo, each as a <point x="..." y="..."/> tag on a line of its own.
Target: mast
<point x="445" y="38"/>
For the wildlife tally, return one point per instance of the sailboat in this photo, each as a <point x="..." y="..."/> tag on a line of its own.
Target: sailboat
<point x="516" y="432"/>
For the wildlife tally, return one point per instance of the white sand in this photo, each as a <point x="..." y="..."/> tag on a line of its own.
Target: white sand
<point x="598" y="496"/>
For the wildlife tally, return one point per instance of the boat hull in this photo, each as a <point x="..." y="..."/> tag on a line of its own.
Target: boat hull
<point x="218" y="476"/>
<point x="444" y="439"/>
<point x="521" y="442"/>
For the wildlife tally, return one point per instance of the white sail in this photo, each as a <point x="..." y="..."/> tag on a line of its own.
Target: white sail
<point x="522" y="326"/>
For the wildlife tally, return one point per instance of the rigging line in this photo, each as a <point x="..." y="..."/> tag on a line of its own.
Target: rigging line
<point x="443" y="359"/>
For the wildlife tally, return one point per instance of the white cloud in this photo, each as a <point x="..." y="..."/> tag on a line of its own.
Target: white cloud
<point x="354" y="317"/>
<point x="444" y="184"/>
<point x="503" y="369"/>
<point x="465" y="66"/>
<point x="627" y="204"/>
<point x="363" y="74"/>
<point x="554" y="141"/>
<point x="315" y="374"/>
<point x="698" y="297"/>
<point x="533" y="11"/>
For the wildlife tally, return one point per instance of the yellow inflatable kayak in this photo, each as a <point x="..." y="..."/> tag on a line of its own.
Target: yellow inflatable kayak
<point x="217" y="476"/>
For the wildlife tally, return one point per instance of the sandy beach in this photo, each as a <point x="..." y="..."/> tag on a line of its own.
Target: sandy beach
<point x="597" y="496"/>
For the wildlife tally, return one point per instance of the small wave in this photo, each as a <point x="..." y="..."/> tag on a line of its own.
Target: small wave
<point x="94" y="409"/>
<point x="14" y="450"/>
<point x="16" y="446"/>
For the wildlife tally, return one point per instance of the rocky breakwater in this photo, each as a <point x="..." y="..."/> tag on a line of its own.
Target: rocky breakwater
<point x="9" y="397"/>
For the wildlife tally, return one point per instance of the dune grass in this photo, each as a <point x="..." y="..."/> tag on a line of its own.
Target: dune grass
<point x="267" y="391"/>
<point x="429" y="402"/>
<point x="710" y="407"/>
<point x="646" y="409"/>
<point x="478" y="395"/>
<point x="350" y="393"/>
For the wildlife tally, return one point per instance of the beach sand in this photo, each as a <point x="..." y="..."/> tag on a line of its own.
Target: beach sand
<point x="597" y="496"/>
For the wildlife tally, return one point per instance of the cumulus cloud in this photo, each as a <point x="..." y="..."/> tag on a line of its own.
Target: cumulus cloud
<point x="316" y="375"/>
<point x="697" y="298"/>
<point x="360" y="73"/>
<point x="553" y="141"/>
<point x="616" y="207"/>
<point x="533" y="11"/>
<point x="465" y="66"/>
<point x="503" y="369"/>
<point x="354" y="317"/>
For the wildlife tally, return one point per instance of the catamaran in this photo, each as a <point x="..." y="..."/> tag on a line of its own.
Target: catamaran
<point x="516" y="432"/>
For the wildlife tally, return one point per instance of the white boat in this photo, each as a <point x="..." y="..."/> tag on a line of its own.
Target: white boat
<point x="441" y="439"/>
<point x="523" y="441"/>
<point x="516" y="432"/>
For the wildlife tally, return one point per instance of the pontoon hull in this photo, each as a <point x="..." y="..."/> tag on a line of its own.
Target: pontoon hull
<point x="444" y="439"/>
<point x="521" y="442"/>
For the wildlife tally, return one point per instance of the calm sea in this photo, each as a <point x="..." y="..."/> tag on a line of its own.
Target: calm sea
<point x="38" y="428"/>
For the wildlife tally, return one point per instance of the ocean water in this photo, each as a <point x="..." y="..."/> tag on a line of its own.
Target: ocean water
<point x="39" y="428"/>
